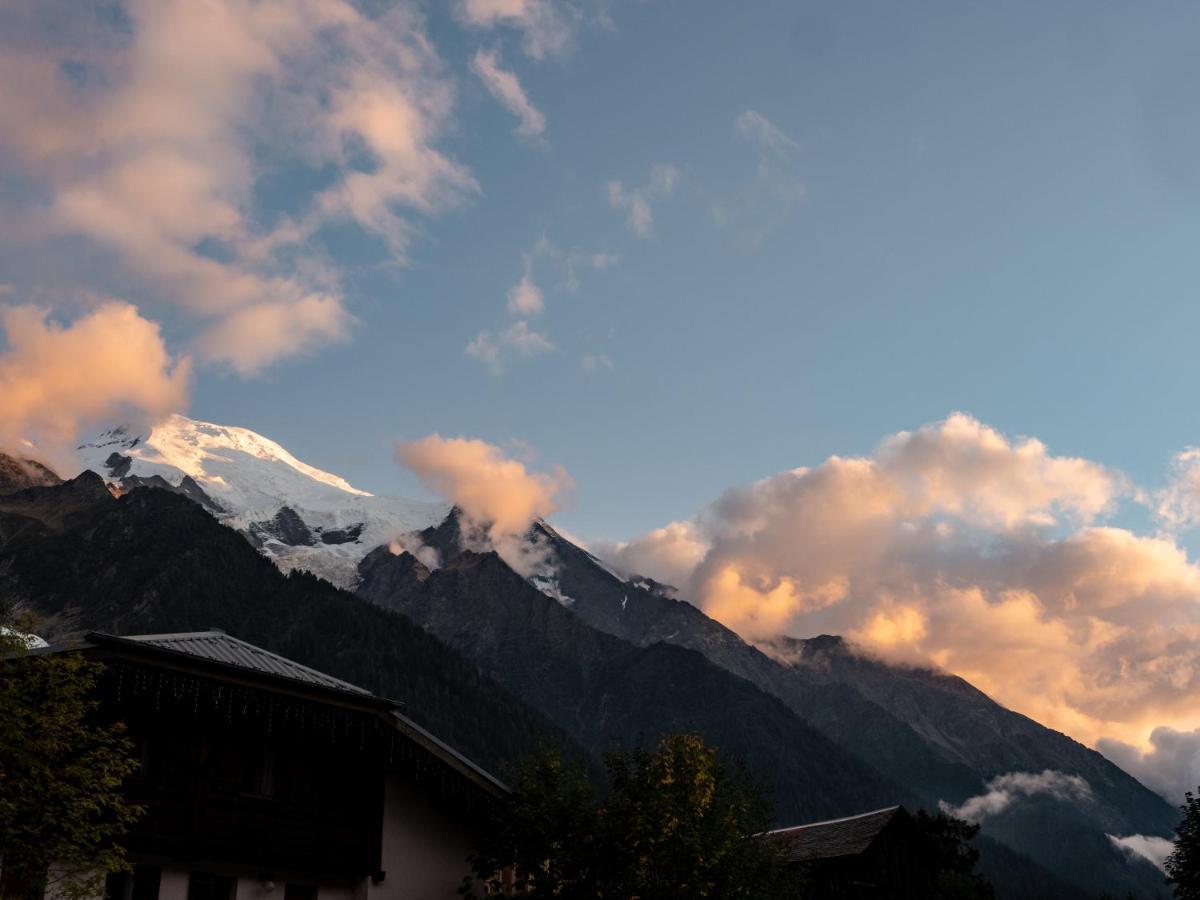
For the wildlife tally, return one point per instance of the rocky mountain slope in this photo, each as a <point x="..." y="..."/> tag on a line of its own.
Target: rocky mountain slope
<point x="298" y="515"/>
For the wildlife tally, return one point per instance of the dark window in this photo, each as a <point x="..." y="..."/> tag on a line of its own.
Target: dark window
<point x="116" y="886"/>
<point x="145" y="883"/>
<point x="207" y="886"/>
<point x="293" y="891"/>
<point x="258" y="773"/>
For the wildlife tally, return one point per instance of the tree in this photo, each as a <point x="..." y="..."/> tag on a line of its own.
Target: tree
<point x="61" y="771"/>
<point x="949" y="858"/>
<point x="1183" y="865"/>
<point x="676" y="822"/>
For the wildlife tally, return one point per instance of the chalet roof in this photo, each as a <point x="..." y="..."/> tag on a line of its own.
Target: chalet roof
<point x="836" y="837"/>
<point x="217" y="646"/>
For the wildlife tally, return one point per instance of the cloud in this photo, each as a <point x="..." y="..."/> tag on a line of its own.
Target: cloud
<point x="496" y="493"/>
<point x="55" y="379"/>
<point x="595" y="362"/>
<point x="956" y="546"/>
<point x="770" y="137"/>
<point x="1171" y="766"/>
<point x="1005" y="790"/>
<point x="668" y="555"/>
<point x="767" y="199"/>
<point x="505" y="87"/>
<point x="637" y="202"/>
<point x="518" y="341"/>
<point x="1178" y="505"/>
<point x="151" y="133"/>
<point x="1148" y="847"/>
<point x="525" y="297"/>
<point x="547" y="26"/>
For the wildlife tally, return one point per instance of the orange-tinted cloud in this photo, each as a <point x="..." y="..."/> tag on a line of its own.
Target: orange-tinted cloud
<point x="108" y="364"/>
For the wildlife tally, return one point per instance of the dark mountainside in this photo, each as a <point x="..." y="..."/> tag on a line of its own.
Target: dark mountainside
<point x="18" y="474"/>
<point x="605" y="691"/>
<point x="153" y="561"/>
<point x="933" y="733"/>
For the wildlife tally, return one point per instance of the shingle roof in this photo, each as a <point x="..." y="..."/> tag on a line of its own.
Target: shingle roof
<point x="835" y="838"/>
<point x="216" y="646"/>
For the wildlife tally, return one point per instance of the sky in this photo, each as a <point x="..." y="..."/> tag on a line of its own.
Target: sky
<point x="662" y="253"/>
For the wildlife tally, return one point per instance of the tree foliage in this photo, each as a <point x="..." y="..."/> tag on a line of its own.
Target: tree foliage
<point x="677" y="821"/>
<point x="950" y="857"/>
<point x="62" y="811"/>
<point x="1183" y="865"/>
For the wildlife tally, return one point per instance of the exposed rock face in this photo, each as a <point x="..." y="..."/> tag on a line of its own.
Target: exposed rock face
<point x="16" y="474"/>
<point x="342" y="535"/>
<point x="287" y="527"/>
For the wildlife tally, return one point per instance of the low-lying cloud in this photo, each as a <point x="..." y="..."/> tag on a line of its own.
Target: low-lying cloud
<point x="956" y="546"/>
<point x="1005" y="790"/>
<point x="1153" y="849"/>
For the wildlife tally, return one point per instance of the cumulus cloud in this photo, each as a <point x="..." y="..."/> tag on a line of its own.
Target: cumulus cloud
<point x="108" y="364"/>
<point x="548" y="27"/>
<point x="506" y="88"/>
<point x="638" y="201"/>
<point x="495" y="349"/>
<point x="1170" y="766"/>
<point x="757" y="127"/>
<point x="1005" y="790"/>
<point x="668" y="555"/>
<point x="1149" y="847"/>
<point x="956" y="546"/>
<point x="499" y="496"/>
<point x="595" y="362"/>
<point x="151" y="132"/>
<point x="1178" y="505"/>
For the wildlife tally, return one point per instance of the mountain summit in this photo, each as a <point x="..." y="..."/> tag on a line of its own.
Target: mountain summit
<point x="296" y="514"/>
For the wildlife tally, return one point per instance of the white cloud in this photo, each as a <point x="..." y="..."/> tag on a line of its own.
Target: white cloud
<point x="1170" y="766"/>
<point x="594" y="362"/>
<point x="1005" y="790"/>
<point x="1148" y="847"/>
<point x="506" y="88"/>
<point x="547" y="26"/>
<point x="496" y="349"/>
<point x="638" y="202"/>
<point x="757" y="127"/>
<point x="157" y="151"/>
<point x="1178" y="505"/>
<point x="525" y="297"/>
<point x="767" y="199"/>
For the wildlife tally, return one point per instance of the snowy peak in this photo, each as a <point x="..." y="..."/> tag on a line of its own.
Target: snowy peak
<point x="298" y="515"/>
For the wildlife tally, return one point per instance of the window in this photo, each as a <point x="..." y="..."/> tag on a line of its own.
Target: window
<point x="142" y="884"/>
<point x="258" y="773"/>
<point x="207" y="886"/>
<point x="294" y="891"/>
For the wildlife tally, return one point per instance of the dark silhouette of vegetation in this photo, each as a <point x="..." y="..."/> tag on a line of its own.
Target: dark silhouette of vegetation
<point x="950" y="857"/>
<point x="1183" y="865"/>
<point x="61" y="771"/>
<point x="676" y="822"/>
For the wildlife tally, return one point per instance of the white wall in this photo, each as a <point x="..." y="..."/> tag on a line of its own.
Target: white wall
<point x="424" y="850"/>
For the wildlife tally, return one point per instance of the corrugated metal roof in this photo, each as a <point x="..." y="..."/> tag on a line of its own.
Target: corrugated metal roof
<point x="837" y="837"/>
<point x="217" y="646"/>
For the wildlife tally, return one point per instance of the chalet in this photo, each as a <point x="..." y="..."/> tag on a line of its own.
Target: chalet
<point x="264" y="779"/>
<point x="875" y="854"/>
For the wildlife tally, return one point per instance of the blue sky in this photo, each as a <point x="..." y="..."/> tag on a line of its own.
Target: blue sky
<point x="966" y="207"/>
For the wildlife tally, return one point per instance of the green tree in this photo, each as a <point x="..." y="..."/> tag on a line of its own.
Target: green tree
<point x="62" y="811"/>
<point x="1183" y="865"/>
<point x="677" y="822"/>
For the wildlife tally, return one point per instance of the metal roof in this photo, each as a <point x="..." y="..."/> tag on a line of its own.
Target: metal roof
<point x="217" y="646"/>
<point x="834" y="838"/>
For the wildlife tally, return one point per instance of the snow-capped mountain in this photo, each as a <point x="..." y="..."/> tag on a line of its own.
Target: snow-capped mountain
<point x="299" y="516"/>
